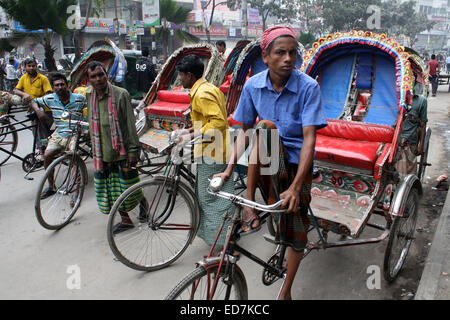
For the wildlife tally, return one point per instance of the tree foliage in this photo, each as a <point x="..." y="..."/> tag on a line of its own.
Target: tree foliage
<point x="49" y="15"/>
<point x="396" y="18"/>
<point x="170" y="11"/>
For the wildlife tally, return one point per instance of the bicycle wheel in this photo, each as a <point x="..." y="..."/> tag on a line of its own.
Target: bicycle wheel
<point x="165" y="223"/>
<point x="8" y="142"/>
<point x="401" y="237"/>
<point x="55" y="211"/>
<point x="151" y="163"/>
<point x="198" y="284"/>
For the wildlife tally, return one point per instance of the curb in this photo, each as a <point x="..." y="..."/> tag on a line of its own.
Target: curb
<point x="438" y="257"/>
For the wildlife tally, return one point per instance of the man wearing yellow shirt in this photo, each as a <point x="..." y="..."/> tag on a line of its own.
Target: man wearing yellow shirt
<point x="34" y="85"/>
<point x="209" y="117"/>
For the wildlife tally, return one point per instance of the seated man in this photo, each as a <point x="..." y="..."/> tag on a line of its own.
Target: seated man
<point x="34" y="85"/>
<point x="58" y="102"/>
<point x="290" y="101"/>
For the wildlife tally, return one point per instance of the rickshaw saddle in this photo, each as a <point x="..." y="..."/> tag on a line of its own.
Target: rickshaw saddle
<point x="353" y="144"/>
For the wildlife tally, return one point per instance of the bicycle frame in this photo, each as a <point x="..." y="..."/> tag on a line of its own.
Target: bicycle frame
<point x="179" y="171"/>
<point x="14" y="131"/>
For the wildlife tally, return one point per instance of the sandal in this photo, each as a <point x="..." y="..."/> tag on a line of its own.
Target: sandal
<point x="121" y="227"/>
<point x="249" y="224"/>
<point x="47" y="193"/>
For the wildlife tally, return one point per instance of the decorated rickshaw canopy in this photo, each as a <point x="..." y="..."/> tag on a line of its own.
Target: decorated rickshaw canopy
<point x="340" y="47"/>
<point x="106" y="52"/>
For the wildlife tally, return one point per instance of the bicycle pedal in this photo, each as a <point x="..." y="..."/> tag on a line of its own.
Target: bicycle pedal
<point x="269" y="238"/>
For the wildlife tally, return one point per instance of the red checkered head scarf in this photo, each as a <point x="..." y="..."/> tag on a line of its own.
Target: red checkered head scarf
<point x="271" y="34"/>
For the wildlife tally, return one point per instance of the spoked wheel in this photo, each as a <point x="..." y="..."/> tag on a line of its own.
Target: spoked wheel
<point x="164" y="223"/>
<point x="31" y="162"/>
<point x="151" y="163"/>
<point x="401" y="237"/>
<point x="198" y="284"/>
<point x="8" y="141"/>
<point x="56" y="210"/>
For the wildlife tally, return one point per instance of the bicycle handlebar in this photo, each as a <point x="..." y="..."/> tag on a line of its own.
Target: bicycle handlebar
<point x="216" y="184"/>
<point x="65" y="116"/>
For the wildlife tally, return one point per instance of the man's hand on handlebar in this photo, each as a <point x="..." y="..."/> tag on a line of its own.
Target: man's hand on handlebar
<point x="224" y="175"/>
<point x="291" y="199"/>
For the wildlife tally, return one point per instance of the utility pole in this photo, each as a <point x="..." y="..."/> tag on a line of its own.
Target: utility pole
<point x="244" y="19"/>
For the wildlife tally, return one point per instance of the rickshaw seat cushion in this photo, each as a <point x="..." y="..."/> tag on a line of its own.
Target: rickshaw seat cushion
<point x="173" y="96"/>
<point x="167" y="109"/>
<point x="358" y="131"/>
<point x="353" y="153"/>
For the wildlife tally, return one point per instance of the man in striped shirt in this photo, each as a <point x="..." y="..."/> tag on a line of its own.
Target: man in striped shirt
<point x="58" y="102"/>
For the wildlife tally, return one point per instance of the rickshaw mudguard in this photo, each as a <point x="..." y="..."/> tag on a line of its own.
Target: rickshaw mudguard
<point x="401" y="195"/>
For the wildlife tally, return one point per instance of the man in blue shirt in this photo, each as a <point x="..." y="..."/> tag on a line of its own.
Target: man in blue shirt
<point x="287" y="100"/>
<point x="58" y="102"/>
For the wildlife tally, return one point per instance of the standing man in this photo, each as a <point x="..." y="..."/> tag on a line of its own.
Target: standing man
<point x="433" y="71"/>
<point x="288" y="103"/>
<point x="11" y="75"/>
<point x="115" y="143"/>
<point x="209" y="117"/>
<point x="221" y="47"/>
<point x="58" y="102"/>
<point x="145" y="71"/>
<point x="34" y="85"/>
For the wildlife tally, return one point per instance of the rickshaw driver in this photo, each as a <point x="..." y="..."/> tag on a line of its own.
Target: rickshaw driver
<point x="290" y="101"/>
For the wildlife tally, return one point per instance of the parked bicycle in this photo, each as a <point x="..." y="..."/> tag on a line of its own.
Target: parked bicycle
<point x="67" y="175"/>
<point x="165" y="224"/>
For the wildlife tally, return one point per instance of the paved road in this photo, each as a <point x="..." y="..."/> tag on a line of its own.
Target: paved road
<point x="39" y="264"/>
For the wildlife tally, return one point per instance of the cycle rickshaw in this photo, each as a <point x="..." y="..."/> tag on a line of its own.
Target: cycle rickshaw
<point x="366" y="80"/>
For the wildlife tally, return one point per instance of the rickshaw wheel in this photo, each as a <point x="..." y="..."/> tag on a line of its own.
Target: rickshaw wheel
<point x="401" y="237"/>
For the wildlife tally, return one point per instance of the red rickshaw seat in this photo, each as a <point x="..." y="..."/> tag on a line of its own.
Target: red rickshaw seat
<point x="175" y="96"/>
<point x="167" y="109"/>
<point x="354" y="144"/>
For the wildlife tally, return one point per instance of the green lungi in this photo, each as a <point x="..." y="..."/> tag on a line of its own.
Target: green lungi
<point x="112" y="182"/>
<point x="212" y="208"/>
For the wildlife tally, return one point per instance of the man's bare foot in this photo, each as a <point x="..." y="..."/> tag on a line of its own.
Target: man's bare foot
<point x="250" y="220"/>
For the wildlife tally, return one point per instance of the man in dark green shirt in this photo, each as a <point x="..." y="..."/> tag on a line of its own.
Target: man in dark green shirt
<point x="115" y="143"/>
<point x="412" y="134"/>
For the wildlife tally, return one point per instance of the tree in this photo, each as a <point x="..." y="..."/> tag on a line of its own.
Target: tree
<point x="93" y="9"/>
<point x="402" y="19"/>
<point x="346" y="15"/>
<point x="47" y="15"/>
<point x="213" y="7"/>
<point x="308" y="13"/>
<point x="172" y="12"/>
<point x="306" y="39"/>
